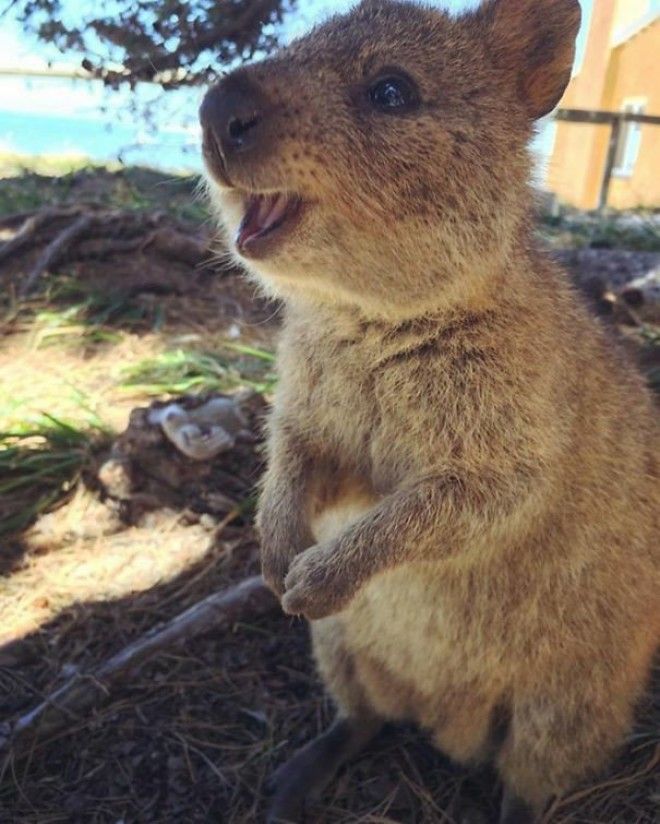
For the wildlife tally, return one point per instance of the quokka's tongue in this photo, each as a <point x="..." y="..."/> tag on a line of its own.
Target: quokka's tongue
<point x="263" y="213"/>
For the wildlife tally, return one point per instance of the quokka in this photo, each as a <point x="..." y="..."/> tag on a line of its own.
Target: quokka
<point x="462" y="489"/>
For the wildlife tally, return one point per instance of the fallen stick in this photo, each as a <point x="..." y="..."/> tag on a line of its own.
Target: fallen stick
<point x="180" y="246"/>
<point x="31" y="225"/>
<point x="169" y="242"/>
<point x="15" y="220"/>
<point x="55" y="250"/>
<point x="83" y="691"/>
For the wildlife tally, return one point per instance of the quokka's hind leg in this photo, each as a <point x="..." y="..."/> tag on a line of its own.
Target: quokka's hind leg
<point x="516" y="811"/>
<point x="312" y="768"/>
<point x="554" y="743"/>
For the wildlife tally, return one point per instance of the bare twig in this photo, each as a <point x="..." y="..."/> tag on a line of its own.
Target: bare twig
<point x="97" y="248"/>
<point x="54" y="251"/>
<point x="179" y="246"/>
<point x="16" y="219"/>
<point x="80" y="693"/>
<point x="619" y="781"/>
<point x="30" y="226"/>
<point x="168" y="242"/>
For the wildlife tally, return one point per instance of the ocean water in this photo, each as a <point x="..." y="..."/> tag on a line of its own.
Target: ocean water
<point x="80" y="118"/>
<point x="55" y="116"/>
<point x="29" y="133"/>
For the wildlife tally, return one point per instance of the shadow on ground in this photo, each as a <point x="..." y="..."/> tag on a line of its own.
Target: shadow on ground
<point x="194" y="734"/>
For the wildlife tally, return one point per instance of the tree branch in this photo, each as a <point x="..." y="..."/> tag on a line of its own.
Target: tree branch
<point x="82" y="692"/>
<point x="54" y="251"/>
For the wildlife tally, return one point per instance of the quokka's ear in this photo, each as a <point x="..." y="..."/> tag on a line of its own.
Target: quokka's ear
<point x="535" y="41"/>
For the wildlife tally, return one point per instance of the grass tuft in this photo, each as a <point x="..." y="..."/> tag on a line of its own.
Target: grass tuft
<point x="40" y="463"/>
<point x="183" y="371"/>
<point x="637" y="231"/>
<point x="75" y="312"/>
<point x="27" y="182"/>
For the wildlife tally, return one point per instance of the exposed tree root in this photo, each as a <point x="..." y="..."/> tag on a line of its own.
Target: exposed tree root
<point x="55" y="251"/>
<point x="29" y="224"/>
<point x="63" y="707"/>
<point x="70" y="234"/>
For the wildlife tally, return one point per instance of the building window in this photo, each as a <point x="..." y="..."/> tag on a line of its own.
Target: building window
<point x="630" y="139"/>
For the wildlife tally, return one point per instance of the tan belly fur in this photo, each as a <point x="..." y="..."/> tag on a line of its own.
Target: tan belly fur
<point x="383" y="633"/>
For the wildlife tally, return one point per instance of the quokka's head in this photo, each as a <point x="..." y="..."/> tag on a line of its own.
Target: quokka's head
<point x="381" y="161"/>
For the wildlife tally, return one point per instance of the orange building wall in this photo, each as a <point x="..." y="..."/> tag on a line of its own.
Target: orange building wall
<point x="607" y="78"/>
<point x="573" y="171"/>
<point x="637" y="74"/>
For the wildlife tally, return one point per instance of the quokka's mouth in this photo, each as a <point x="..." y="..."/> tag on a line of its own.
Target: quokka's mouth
<point x="266" y="221"/>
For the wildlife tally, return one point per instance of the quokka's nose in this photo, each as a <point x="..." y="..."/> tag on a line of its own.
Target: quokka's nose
<point x="233" y="112"/>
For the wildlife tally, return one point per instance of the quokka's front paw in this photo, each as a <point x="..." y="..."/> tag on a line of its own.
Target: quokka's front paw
<point x="316" y="585"/>
<point x="275" y="564"/>
<point x="282" y="537"/>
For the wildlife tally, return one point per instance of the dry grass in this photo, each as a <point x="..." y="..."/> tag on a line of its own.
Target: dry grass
<point x="83" y="552"/>
<point x="195" y="735"/>
<point x="182" y="371"/>
<point x="88" y="358"/>
<point x="41" y="462"/>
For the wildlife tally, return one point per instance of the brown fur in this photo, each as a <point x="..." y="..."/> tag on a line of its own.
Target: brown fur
<point x="462" y="490"/>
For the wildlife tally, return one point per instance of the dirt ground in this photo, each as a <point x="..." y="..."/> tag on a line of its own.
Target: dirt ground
<point x="193" y="735"/>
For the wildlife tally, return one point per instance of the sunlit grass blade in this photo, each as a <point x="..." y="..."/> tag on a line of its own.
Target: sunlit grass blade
<point x="182" y="371"/>
<point x="40" y="463"/>
<point x="244" y="349"/>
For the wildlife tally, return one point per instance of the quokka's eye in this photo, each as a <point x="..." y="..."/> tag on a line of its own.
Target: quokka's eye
<point x="393" y="94"/>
